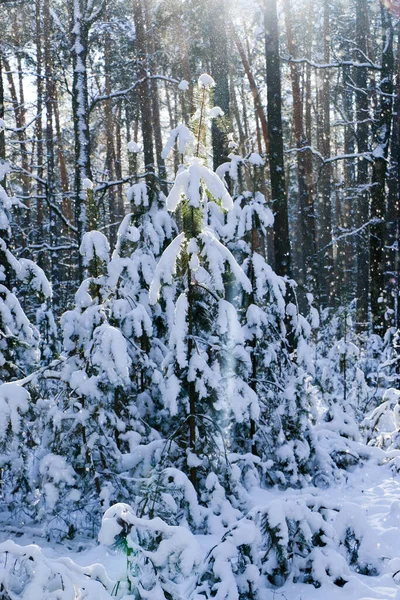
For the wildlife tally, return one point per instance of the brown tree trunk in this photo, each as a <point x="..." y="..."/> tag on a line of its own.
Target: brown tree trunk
<point x="308" y="268"/>
<point x="144" y="95"/>
<point x="362" y="115"/>
<point x="253" y="87"/>
<point x="276" y="162"/>
<point x="19" y="115"/>
<point x="379" y="178"/>
<point x="327" y="275"/>
<point x="155" y="101"/>
<point x="2" y="134"/>
<point x="39" y="120"/>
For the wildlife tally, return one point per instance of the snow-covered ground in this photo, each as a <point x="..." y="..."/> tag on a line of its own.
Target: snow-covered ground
<point x="375" y="490"/>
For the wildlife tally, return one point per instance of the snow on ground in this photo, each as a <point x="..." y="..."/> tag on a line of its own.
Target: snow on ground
<point x="375" y="489"/>
<point x="377" y="492"/>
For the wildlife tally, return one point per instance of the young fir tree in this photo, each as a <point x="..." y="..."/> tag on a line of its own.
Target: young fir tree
<point x="19" y="338"/>
<point x="276" y="335"/>
<point x="102" y="423"/>
<point x="78" y="461"/>
<point x="203" y="394"/>
<point x="142" y="237"/>
<point x="19" y="356"/>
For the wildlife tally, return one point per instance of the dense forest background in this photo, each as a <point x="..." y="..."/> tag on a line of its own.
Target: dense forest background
<point x="199" y="297"/>
<point x="312" y="87"/>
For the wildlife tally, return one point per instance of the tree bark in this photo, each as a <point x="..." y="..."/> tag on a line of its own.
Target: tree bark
<point x="362" y="115"/>
<point x="327" y="275"/>
<point x="220" y="71"/>
<point x="155" y="102"/>
<point x="308" y="268"/>
<point x="253" y="87"/>
<point x="144" y="95"/>
<point x="277" y="173"/>
<point x="379" y="179"/>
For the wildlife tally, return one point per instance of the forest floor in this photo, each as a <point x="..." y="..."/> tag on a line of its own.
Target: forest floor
<point x="374" y="489"/>
<point x="377" y="492"/>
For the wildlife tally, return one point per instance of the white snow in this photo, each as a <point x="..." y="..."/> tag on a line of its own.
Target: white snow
<point x="372" y="492"/>
<point x="134" y="147"/>
<point x="256" y="160"/>
<point x="87" y="184"/>
<point x="4" y="168"/>
<point x="94" y="245"/>
<point x="215" y="112"/>
<point x="183" y="85"/>
<point x="182" y="135"/>
<point x="206" y="81"/>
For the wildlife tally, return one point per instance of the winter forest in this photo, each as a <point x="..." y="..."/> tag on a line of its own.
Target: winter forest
<point x="199" y="299"/>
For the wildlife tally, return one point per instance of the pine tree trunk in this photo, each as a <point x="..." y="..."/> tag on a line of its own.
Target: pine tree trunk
<point x="110" y="137"/>
<point x="39" y="120"/>
<point x="276" y="162"/>
<point x="80" y="112"/>
<point x="144" y="95"/>
<point x="219" y="59"/>
<point x="253" y="87"/>
<point x="393" y="209"/>
<point x="379" y="177"/>
<point x="19" y="116"/>
<point x="346" y="247"/>
<point x="155" y="101"/>
<point x="2" y="134"/>
<point x="362" y="115"/>
<point x="327" y="275"/>
<point x="308" y="268"/>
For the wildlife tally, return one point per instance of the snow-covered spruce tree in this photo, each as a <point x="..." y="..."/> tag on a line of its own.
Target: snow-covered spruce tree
<point x="339" y="364"/>
<point x="307" y="540"/>
<point x="203" y="394"/>
<point x="76" y="468"/>
<point x="102" y="423"/>
<point x="345" y="395"/>
<point x="276" y="335"/>
<point x="19" y="339"/>
<point x="27" y="573"/>
<point x="160" y="558"/>
<point x="382" y="425"/>
<point x="142" y="237"/>
<point x="19" y="356"/>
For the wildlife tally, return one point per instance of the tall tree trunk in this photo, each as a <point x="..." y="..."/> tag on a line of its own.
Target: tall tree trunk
<point x="50" y="150"/>
<point x="118" y="159"/>
<point x="347" y="247"/>
<point x="144" y="95"/>
<point x="80" y="112"/>
<point x="155" y="102"/>
<point x="327" y="275"/>
<point x="276" y="162"/>
<point x="19" y="115"/>
<point x="236" y="113"/>
<point x="219" y="58"/>
<point x="362" y="115"/>
<point x="110" y="135"/>
<point x="2" y="134"/>
<point x="66" y="202"/>
<point x="253" y="87"/>
<point x="39" y="120"/>
<point x="379" y="177"/>
<point x="393" y="254"/>
<point x="187" y="106"/>
<point x="308" y="271"/>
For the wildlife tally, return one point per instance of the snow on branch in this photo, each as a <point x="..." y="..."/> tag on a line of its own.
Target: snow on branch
<point x="333" y="65"/>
